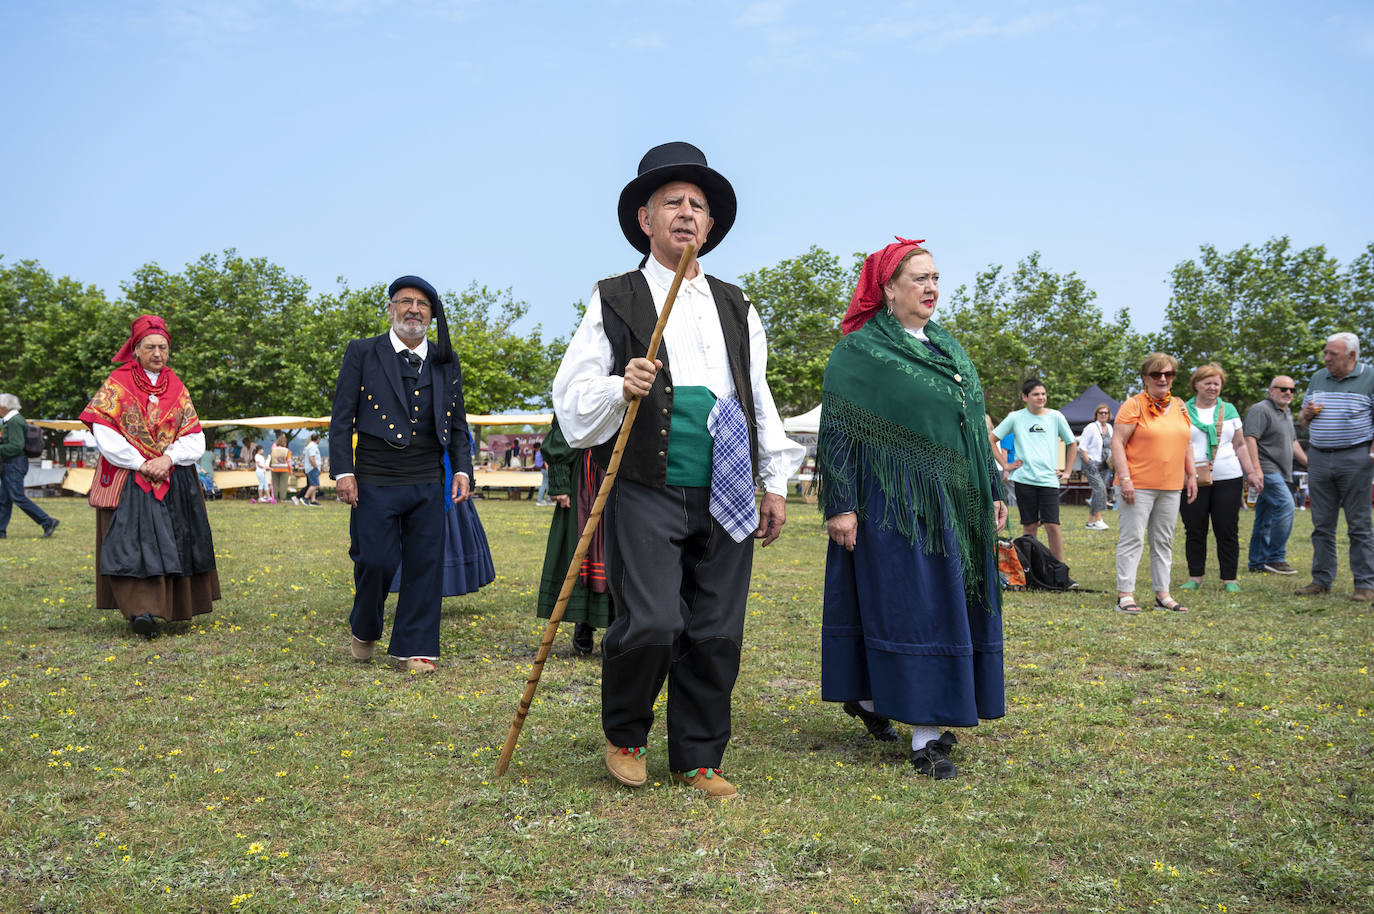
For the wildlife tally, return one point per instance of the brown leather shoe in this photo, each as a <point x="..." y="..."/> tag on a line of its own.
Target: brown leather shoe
<point x="1363" y="595"/>
<point x="626" y="765"/>
<point x="708" y="780"/>
<point x="1311" y="590"/>
<point x="361" y="650"/>
<point x="419" y="665"/>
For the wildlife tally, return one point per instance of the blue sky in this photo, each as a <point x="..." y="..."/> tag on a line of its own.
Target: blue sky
<point x="472" y="140"/>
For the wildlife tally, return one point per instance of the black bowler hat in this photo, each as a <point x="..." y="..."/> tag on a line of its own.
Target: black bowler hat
<point x="676" y="162"/>
<point x="443" y="349"/>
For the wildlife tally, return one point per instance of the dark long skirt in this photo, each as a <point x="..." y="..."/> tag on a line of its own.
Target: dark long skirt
<point x="898" y="629"/>
<point x="157" y="557"/>
<point x="467" y="556"/>
<point x="584" y="604"/>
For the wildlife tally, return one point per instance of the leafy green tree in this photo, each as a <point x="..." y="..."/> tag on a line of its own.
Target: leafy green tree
<point x="60" y="335"/>
<point x="1359" y="283"/>
<point x="1037" y="323"/>
<point x="800" y="301"/>
<point x="230" y="343"/>
<point x="502" y="368"/>
<point x="320" y="328"/>
<point x="1263" y="311"/>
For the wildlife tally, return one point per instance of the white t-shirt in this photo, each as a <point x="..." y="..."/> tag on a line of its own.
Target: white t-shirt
<point x="1225" y="463"/>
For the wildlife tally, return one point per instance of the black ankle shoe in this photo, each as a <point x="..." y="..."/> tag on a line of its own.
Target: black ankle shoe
<point x="143" y="625"/>
<point x="582" y="638"/>
<point x="933" y="761"/>
<point x="879" y="727"/>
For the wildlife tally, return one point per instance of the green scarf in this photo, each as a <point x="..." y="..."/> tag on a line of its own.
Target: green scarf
<point x="892" y="410"/>
<point x="1210" y="429"/>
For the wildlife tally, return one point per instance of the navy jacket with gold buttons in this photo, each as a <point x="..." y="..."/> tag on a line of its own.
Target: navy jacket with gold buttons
<point x="369" y="398"/>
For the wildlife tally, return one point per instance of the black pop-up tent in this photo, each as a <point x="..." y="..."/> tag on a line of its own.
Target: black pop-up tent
<point x="1079" y="410"/>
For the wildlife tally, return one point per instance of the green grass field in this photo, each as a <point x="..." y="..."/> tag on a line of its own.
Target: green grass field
<point x="1217" y="762"/>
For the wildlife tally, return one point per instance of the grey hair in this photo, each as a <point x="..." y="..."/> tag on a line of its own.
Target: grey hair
<point x="1352" y="342"/>
<point x="9" y="402"/>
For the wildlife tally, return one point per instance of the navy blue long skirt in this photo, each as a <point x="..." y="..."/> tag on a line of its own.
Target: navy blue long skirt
<point x="897" y="629"/>
<point x="467" y="557"/>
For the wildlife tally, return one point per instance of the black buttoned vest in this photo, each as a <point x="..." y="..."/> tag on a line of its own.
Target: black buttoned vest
<point x="628" y="317"/>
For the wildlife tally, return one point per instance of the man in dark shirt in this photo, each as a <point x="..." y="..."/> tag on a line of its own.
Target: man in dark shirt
<point x="403" y="397"/>
<point x="1273" y="447"/>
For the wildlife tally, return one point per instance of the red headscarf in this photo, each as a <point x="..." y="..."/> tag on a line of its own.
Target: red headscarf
<point x="142" y="326"/>
<point x="878" y="269"/>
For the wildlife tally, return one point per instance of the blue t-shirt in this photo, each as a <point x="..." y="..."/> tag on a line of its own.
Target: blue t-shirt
<point x="1035" y="445"/>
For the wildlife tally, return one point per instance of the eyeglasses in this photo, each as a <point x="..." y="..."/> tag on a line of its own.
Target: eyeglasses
<point x="407" y="302"/>
<point x="1161" y="375"/>
<point x="1287" y="390"/>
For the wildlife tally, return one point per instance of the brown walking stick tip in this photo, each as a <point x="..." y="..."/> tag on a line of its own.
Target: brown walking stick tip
<point x="593" y="520"/>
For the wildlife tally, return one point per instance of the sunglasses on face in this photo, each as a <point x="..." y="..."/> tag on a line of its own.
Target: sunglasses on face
<point x="1161" y="375"/>
<point x="1287" y="390"/>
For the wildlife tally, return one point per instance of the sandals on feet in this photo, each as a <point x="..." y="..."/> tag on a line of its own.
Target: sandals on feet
<point x="1127" y="605"/>
<point x="1173" y="605"/>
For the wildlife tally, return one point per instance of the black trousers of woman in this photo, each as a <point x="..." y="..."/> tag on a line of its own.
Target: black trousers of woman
<point x="1218" y="503"/>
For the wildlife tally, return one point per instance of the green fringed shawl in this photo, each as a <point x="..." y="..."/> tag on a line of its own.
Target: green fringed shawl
<point x="912" y="421"/>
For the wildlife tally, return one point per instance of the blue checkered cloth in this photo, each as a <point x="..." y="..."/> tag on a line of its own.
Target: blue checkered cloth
<point x="732" y="473"/>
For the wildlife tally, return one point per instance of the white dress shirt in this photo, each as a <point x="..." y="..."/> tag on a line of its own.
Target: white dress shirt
<point x="590" y="401"/>
<point x="115" y="448"/>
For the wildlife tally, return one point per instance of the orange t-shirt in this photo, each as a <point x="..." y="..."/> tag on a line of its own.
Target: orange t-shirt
<point x="1159" y="444"/>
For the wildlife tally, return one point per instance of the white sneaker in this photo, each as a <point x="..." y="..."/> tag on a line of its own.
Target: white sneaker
<point x="1097" y="525"/>
<point x="295" y="500"/>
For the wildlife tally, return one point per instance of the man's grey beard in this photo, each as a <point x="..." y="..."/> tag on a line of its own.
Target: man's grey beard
<point x="397" y="326"/>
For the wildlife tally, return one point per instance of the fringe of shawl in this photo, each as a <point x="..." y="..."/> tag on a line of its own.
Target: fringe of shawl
<point x="918" y="478"/>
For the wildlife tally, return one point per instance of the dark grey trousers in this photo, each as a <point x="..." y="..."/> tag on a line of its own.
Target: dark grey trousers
<point x="680" y="584"/>
<point x="1340" y="481"/>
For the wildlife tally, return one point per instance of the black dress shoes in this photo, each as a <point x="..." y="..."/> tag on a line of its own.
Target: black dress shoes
<point x="879" y="727"/>
<point x="582" y="638"/>
<point x="144" y="625"/>
<point x="933" y="760"/>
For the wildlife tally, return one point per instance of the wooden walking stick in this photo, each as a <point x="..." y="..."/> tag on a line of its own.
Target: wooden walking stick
<point x="593" y="520"/>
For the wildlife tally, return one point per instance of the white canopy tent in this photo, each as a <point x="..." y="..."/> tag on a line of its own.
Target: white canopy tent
<point x="808" y="423"/>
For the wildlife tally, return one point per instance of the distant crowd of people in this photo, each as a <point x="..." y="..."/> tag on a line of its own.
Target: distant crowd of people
<point x="1195" y="459"/>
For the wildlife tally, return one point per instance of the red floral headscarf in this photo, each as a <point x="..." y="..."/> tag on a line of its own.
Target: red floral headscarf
<point x="878" y="269"/>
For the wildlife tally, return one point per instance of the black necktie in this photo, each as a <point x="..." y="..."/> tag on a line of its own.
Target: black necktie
<point x="414" y="360"/>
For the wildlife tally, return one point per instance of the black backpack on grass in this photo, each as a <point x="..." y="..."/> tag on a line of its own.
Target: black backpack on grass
<point x="1043" y="570"/>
